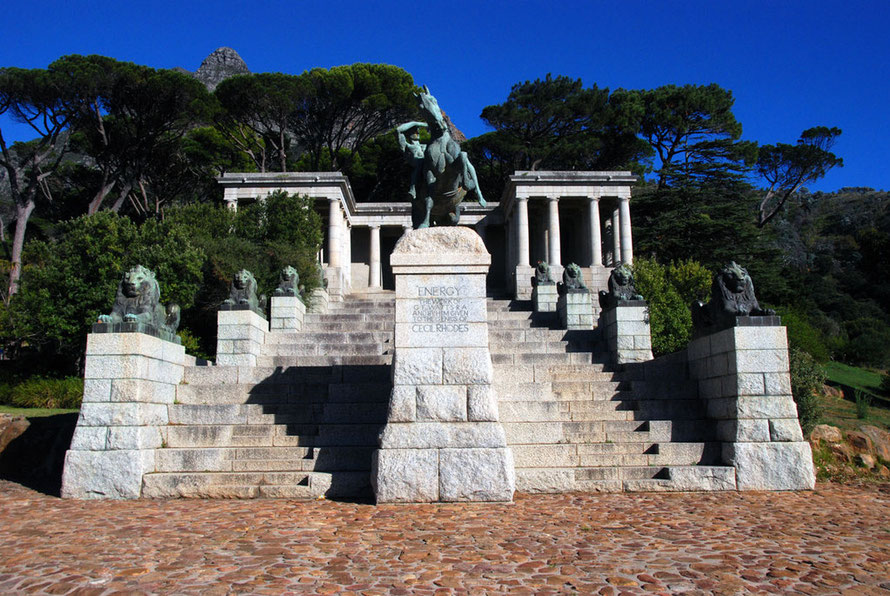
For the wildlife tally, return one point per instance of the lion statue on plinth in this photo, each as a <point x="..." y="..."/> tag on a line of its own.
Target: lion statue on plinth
<point x="572" y="280"/>
<point x="138" y="300"/>
<point x="288" y="283"/>
<point x="621" y="287"/>
<point x="243" y="294"/>
<point x="732" y="295"/>
<point x="542" y="274"/>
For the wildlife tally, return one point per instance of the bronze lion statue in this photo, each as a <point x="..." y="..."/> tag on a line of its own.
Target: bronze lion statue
<point x="732" y="295"/>
<point x="621" y="287"/>
<point x="542" y="274"/>
<point x="243" y="293"/>
<point x="138" y="300"/>
<point x="288" y="283"/>
<point x="572" y="280"/>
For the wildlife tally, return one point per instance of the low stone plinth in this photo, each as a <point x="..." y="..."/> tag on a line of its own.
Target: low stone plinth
<point x="318" y="301"/>
<point x="743" y="376"/>
<point x="522" y="276"/>
<point x="626" y="331"/>
<point x="575" y="310"/>
<point x="240" y="335"/>
<point x="442" y="440"/>
<point x="545" y="297"/>
<point x="286" y="314"/>
<point x="338" y="283"/>
<point x="129" y="381"/>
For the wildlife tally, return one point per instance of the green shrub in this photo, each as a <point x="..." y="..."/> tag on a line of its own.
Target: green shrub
<point x="807" y="378"/>
<point x="5" y="394"/>
<point x="38" y="392"/>
<point x="885" y="383"/>
<point x="192" y="344"/>
<point x="803" y="334"/>
<point x="863" y="401"/>
<point x="669" y="289"/>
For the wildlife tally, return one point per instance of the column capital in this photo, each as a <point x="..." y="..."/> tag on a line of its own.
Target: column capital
<point x="553" y="198"/>
<point x="374" y="226"/>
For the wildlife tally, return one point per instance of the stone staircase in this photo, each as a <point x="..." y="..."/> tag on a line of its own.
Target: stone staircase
<point x="303" y="423"/>
<point x="574" y="424"/>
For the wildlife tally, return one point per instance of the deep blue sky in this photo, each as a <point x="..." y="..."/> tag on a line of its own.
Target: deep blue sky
<point x="790" y="65"/>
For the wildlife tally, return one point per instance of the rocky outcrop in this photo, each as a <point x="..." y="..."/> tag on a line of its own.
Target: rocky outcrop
<point x="11" y="428"/>
<point x="221" y="64"/>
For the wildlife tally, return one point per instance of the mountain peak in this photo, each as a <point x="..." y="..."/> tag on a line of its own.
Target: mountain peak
<point x="221" y="64"/>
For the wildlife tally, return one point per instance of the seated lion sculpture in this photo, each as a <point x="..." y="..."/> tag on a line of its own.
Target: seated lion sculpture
<point x="572" y="280"/>
<point x="542" y="274"/>
<point x="243" y="293"/>
<point x="288" y="283"/>
<point x="621" y="287"/>
<point x="732" y="295"/>
<point x="138" y="300"/>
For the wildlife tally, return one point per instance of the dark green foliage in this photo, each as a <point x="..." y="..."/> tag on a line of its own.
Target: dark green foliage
<point x="328" y="114"/>
<point x="807" y="379"/>
<point x="68" y="282"/>
<point x="885" y="383"/>
<point x="554" y="124"/>
<point x="836" y="267"/>
<point x="38" y="392"/>
<point x="692" y="130"/>
<point x="262" y="237"/>
<point x="670" y="290"/>
<point x="788" y="167"/>
<point x="803" y="335"/>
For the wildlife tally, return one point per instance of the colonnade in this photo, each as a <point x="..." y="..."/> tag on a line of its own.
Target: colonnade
<point x="619" y="221"/>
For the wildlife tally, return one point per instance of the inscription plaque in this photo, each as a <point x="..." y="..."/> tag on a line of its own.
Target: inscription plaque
<point x="435" y="314"/>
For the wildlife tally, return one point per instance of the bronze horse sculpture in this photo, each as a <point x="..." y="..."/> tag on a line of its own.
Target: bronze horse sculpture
<point x="442" y="174"/>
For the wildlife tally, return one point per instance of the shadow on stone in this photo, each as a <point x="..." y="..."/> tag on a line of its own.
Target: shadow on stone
<point x="36" y="457"/>
<point x="336" y="413"/>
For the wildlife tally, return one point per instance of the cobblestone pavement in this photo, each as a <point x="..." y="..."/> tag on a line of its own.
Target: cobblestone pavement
<point x="833" y="540"/>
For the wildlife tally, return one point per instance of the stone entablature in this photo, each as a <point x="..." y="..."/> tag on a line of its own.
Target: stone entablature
<point x="523" y="228"/>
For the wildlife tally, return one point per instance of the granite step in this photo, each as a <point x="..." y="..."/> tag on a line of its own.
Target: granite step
<point x="295" y="393"/>
<point x="616" y="455"/>
<point x="263" y="459"/>
<point x="256" y="414"/>
<point x="247" y="485"/>
<point x="326" y="349"/>
<point x="327" y="360"/>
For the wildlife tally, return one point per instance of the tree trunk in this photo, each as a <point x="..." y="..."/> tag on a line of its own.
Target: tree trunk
<point x="96" y="203"/>
<point x="122" y="197"/>
<point x="22" y="214"/>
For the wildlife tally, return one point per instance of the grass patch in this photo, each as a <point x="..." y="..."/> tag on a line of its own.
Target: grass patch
<point x="843" y="414"/>
<point x="34" y="412"/>
<point x="858" y="378"/>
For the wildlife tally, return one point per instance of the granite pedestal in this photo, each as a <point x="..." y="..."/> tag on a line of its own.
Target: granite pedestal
<point x="442" y="440"/>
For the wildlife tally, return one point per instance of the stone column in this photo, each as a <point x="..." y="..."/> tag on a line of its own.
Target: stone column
<point x="596" y="248"/>
<point x="743" y="377"/>
<point x="627" y="245"/>
<point x="374" y="280"/>
<point x="129" y="381"/>
<point x="522" y="232"/>
<point x="553" y="233"/>
<point x="524" y="270"/>
<point x="334" y="236"/>
<point x="335" y="271"/>
<point x="442" y="440"/>
<point x="616" y="238"/>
